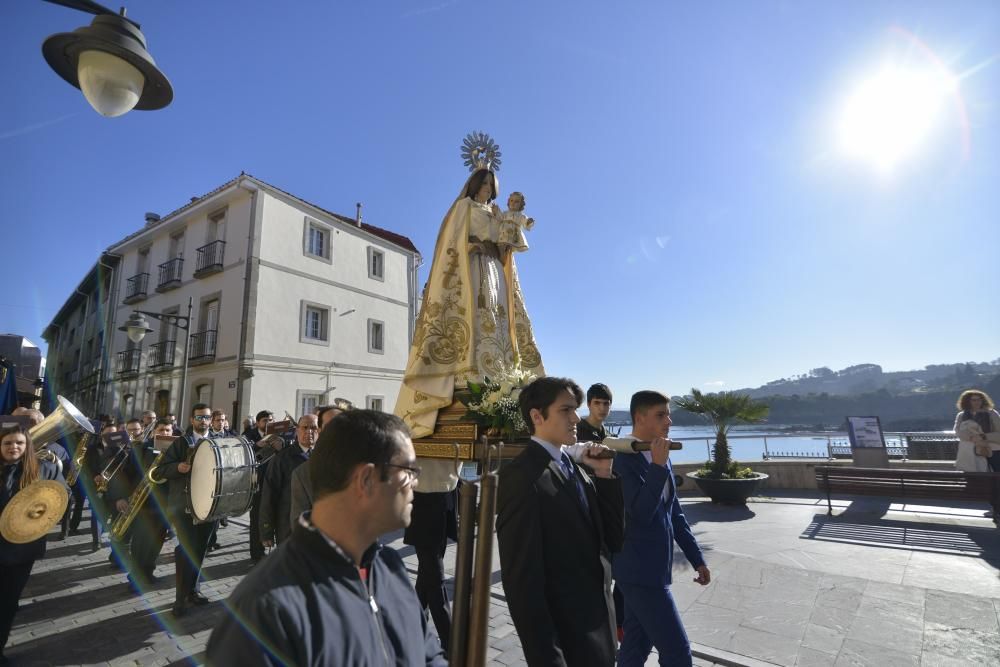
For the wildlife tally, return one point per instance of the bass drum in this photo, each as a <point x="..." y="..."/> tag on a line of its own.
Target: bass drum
<point x="223" y="476"/>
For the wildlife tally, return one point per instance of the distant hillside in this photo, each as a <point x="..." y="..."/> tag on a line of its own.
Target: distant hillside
<point x="922" y="400"/>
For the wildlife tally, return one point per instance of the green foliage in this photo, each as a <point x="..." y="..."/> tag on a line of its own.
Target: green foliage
<point x="723" y="410"/>
<point x="735" y="470"/>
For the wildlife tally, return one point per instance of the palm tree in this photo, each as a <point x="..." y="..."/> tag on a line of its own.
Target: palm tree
<point x="723" y="409"/>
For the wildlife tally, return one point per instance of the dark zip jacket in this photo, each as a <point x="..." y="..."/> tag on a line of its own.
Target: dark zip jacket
<point x="306" y="604"/>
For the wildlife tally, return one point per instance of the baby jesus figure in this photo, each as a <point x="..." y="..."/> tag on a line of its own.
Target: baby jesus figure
<point x="513" y="222"/>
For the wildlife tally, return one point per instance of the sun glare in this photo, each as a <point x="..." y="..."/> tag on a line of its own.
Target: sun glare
<point x="889" y="114"/>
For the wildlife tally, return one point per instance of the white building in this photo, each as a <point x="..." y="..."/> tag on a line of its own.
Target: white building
<point x="292" y="305"/>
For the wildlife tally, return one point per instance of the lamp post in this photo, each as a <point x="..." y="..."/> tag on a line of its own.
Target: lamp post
<point x="108" y="61"/>
<point x="136" y="328"/>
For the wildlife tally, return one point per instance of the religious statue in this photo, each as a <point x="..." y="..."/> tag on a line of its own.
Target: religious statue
<point x="472" y="322"/>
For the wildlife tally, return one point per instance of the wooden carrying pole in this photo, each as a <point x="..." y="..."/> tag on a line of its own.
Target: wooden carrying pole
<point x="471" y="607"/>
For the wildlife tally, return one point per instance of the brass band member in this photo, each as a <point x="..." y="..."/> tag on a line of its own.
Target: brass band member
<point x="19" y="469"/>
<point x="254" y="434"/>
<point x="98" y="454"/>
<point x="192" y="539"/>
<point x="144" y="538"/>
<point x="65" y="464"/>
<point x="119" y="489"/>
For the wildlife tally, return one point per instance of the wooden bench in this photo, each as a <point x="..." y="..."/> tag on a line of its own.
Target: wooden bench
<point x="901" y="483"/>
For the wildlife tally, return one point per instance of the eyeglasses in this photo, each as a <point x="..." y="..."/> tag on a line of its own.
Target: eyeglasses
<point x="203" y="418"/>
<point x="412" y="472"/>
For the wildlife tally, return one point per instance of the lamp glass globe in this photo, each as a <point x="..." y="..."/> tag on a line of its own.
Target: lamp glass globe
<point x="136" y="333"/>
<point x="111" y="85"/>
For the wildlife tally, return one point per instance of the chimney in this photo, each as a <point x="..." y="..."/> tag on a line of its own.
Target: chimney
<point x="152" y="218"/>
<point x="358" y="218"/>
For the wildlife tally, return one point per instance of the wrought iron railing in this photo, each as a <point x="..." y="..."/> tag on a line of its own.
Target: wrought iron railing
<point x="135" y="287"/>
<point x="127" y="361"/>
<point x="210" y="258"/>
<point x="203" y="345"/>
<point x="170" y="274"/>
<point x="161" y="355"/>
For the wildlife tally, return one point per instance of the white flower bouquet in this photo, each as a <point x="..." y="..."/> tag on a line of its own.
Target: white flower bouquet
<point x="493" y="403"/>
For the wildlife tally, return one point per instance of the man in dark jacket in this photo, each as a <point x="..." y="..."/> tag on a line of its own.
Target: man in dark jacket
<point x="654" y="520"/>
<point x="192" y="539"/>
<point x="276" y="497"/>
<point x="331" y="594"/>
<point x="254" y="434"/>
<point x="557" y="526"/>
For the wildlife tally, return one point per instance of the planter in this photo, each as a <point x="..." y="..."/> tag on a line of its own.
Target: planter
<point x="728" y="491"/>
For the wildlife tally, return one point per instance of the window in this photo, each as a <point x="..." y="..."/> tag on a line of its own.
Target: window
<point x="376" y="336"/>
<point x="176" y="245"/>
<point x="315" y="326"/>
<point x="308" y="402"/>
<point x="316" y="242"/>
<point x="374" y="402"/>
<point x="217" y="227"/>
<point x="376" y="264"/>
<point x="203" y="393"/>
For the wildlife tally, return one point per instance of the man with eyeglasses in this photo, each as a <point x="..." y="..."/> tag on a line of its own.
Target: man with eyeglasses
<point x="276" y="497"/>
<point x="192" y="539"/>
<point x="332" y="594"/>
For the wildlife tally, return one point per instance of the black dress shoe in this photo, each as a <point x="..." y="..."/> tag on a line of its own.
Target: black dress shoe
<point x="198" y="599"/>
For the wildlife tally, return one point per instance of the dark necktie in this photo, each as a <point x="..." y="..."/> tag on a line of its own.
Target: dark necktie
<point x="574" y="479"/>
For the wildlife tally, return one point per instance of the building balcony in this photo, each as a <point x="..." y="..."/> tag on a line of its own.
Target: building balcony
<point x="209" y="259"/>
<point x="162" y="355"/>
<point x="135" y="288"/>
<point x="203" y="347"/>
<point x="127" y="363"/>
<point x="170" y="274"/>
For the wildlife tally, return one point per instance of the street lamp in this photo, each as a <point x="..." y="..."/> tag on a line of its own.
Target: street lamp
<point x="108" y="61"/>
<point x="136" y="329"/>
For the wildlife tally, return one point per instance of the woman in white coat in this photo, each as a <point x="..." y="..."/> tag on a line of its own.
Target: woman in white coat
<point x="977" y="426"/>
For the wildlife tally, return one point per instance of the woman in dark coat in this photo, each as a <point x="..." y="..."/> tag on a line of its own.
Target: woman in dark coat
<point x="20" y="467"/>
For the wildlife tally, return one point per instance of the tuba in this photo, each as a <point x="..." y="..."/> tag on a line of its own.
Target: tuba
<point x="64" y="420"/>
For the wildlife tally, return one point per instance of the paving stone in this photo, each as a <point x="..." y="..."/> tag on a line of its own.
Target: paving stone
<point x="839" y="620"/>
<point x="900" y="614"/>
<point x="785" y="620"/>
<point x="975" y="646"/>
<point x="808" y="657"/>
<point x="895" y="592"/>
<point x="819" y="638"/>
<point x="885" y="632"/>
<point x="861" y="654"/>
<point x="961" y="611"/>
<point x="764" y="646"/>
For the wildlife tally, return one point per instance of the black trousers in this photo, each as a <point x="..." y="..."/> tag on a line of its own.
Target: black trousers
<point x="192" y="545"/>
<point x="431" y="591"/>
<point x="12" y="581"/>
<point x="78" y="499"/>
<point x="256" y="548"/>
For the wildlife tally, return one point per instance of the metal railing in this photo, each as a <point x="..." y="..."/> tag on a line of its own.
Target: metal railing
<point x="127" y="361"/>
<point x="203" y="345"/>
<point x="170" y="274"/>
<point x="136" y="286"/>
<point x="210" y="258"/>
<point x="161" y="355"/>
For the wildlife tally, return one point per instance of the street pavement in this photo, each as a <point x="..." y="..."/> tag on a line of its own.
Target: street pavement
<point x="876" y="584"/>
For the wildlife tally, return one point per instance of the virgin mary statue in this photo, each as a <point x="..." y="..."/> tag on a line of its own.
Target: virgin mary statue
<point x="472" y="322"/>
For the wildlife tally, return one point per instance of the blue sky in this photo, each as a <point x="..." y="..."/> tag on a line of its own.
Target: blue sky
<point x="697" y="223"/>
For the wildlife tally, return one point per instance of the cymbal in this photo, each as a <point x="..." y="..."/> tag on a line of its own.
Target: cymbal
<point x="33" y="511"/>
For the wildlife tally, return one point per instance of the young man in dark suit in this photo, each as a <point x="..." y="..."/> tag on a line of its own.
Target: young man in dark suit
<point x="557" y="526"/>
<point x="654" y="521"/>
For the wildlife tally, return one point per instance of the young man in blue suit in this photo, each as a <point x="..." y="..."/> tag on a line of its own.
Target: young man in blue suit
<point x="654" y="520"/>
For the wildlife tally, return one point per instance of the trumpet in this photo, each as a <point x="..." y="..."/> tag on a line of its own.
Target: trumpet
<point x="122" y="522"/>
